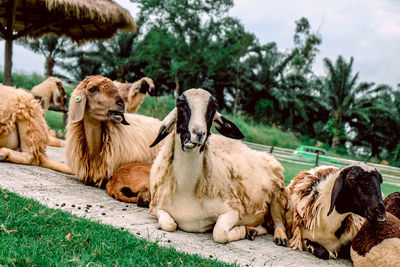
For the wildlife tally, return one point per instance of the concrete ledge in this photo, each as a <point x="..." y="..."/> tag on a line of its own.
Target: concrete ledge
<point x="62" y="191"/>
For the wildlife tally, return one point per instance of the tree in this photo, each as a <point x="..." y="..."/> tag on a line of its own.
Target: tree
<point x="306" y="45"/>
<point x="53" y="48"/>
<point x="345" y="98"/>
<point x="184" y="21"/>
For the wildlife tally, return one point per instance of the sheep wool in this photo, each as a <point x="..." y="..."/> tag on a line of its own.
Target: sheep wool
<point x="16" y="105"/>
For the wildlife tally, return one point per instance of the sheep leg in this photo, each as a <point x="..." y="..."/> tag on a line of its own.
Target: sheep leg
<point x="252" y="232"/>
<point x="165" y="221"/>
<point x="280" y="237"/>
<point x="226" y="228"/>
<point x="53" y="165"/>
<point x="17" y="157"/>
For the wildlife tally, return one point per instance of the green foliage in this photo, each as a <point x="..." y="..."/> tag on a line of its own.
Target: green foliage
<point x="33" y="235"/>
<point x="22" y="80"/>
<point x="157" y="107"/>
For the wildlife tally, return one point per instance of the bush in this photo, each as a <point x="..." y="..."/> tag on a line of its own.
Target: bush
<point x="22" y="80"/>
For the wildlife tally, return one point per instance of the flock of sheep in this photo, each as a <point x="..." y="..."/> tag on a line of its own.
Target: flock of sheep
<point x="198" y="182"/>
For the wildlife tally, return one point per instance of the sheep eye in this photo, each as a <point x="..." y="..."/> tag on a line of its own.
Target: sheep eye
<point x="94" y="89"/>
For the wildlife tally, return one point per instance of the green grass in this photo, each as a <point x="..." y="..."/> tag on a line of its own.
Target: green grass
<point x="55" y="120"/>
<point x="33" y="235"/>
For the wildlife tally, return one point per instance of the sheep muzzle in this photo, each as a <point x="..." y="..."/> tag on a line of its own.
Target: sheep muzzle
<point x="117" y="117"/>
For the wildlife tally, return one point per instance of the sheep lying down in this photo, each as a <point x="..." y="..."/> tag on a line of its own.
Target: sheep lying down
<point x="378" y="244"/>
<point x="104" y="137"/>
<point x="201" y="182"/>
<point x="327" y="207"/>
<point x="23" y="130"/>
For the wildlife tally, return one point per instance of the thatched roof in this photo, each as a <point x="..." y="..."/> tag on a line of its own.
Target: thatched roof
<point x="81" y="20"/>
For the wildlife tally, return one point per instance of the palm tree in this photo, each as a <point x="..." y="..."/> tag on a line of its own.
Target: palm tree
<point x="53" y="48"/>
<point x="345" y="98"/>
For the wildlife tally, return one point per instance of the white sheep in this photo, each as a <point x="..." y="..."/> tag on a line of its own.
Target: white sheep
<point x="378" y="244"/>
<point x="134" y="93"/>
<point x="326" y="206"/>
<point x="100" y="136"/>
<point x="200" y="182"/>
<point x="23" y="130"/>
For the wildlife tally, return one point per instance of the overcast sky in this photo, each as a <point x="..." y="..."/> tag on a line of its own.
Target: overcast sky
<point x="368" y="30"/>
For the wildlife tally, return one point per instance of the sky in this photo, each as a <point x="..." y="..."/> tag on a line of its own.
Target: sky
<point x="368" y="30"/>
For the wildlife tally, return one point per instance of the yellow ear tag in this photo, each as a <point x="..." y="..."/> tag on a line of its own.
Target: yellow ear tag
<point x="58" y="95"/>
<point x="78" y="98"/>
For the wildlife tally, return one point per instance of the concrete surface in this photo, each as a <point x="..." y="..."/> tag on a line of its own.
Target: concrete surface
<point x="61" y="191"/>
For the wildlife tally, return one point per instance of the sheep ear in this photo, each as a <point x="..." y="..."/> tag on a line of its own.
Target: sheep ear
<point x="337" y="187"/>
<point x="166" y="127"/>
<point x="77" y="106"/>
<point x="226" y="127"/>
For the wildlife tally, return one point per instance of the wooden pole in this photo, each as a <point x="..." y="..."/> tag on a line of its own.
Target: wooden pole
<point x="9" y="40"/>
<point x="316" y="159"/>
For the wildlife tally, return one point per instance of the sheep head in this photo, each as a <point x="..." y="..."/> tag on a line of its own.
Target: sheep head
<point x="357" y="189"/>
<point x="195" y="112"/>
<point x="147" y="86"/>
<point x="97" y="98"/>
<point x="59" y="97"/>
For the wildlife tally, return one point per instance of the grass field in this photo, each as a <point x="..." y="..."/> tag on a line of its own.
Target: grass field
<point x="33" y="235"/>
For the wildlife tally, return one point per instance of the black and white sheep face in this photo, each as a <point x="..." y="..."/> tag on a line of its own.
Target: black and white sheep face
<point x="195" y="113"/>
<point x="357" y="190"/>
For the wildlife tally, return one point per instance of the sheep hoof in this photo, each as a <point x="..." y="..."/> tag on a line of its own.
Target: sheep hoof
<point x="281" y="242"/>
<point x="251" y="235"/>
<point x="317" y="250"/>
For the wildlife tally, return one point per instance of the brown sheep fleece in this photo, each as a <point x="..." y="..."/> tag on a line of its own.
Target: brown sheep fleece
<point x="130" y="183"/>
<point x="378" y="244"/>
<point x="392" y="204"/>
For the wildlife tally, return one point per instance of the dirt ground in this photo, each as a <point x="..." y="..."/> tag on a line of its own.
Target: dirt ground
<point x="61" y="191"/>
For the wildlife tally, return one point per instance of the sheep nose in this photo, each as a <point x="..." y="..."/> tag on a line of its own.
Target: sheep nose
<point x="198" y="132"/>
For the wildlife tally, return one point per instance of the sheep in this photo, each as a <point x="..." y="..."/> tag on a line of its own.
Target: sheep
<point x="200" y="182"/>
<point x="23" y="130"/>
<point x="133" y="93"/>
<point x="130" y="183"/>
<point x="100" y="137"/>
<point x="327" y="206"/>
<point x="51" y="91"/>
<point x="379" y="244"/>
<point x="392" y="204"/>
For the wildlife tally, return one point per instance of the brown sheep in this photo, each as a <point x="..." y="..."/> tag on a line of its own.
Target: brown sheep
<point x="130" y="183"/>
<point x="101" y="137"/>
